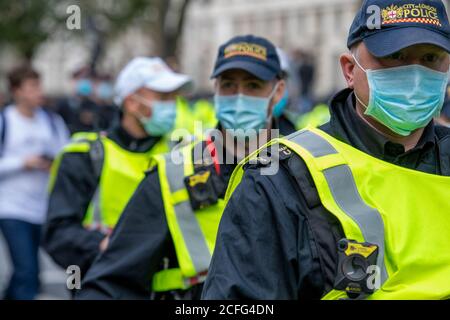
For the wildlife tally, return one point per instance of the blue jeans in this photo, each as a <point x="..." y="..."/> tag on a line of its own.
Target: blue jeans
<point x="23" y="240"/>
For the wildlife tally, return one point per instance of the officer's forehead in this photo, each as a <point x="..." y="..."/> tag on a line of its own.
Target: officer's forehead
<point x="418" y="49"/>
<point x="238" y="74"/>
<point x="424" y="48"/>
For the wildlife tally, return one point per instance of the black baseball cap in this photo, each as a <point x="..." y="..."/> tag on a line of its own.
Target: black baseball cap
<point x="255" y="55"/>
<point x="388" y="26"/>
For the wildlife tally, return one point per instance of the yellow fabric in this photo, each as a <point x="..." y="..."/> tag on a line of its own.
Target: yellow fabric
<point x="207" y="218"/>
<point x="204" y="112"/>
<point x="168" y="280"/>
<point x="121" y="174"/>
<point x="315" y="118"/>
<point x="194" y="121"/>
<point x="415" y="210"/>
<point x="413" y="206"/>
<point x="74" y="147"/>
<point x="122" y="171"/>
<point x="184" y="119"/>
<point x="84" y="136"/>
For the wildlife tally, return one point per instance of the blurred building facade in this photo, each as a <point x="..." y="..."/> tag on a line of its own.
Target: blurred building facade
<point x="59" y="57"/>
<point x="319" y="27"/>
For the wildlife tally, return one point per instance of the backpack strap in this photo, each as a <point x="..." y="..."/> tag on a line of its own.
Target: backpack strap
<point x="97" y="155"/>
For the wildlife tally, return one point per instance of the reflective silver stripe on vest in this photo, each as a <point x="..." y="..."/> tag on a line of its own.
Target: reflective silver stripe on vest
<point x="345" y="193"/>
<point x="316" y="145"/>
<point x="192" y="234"/>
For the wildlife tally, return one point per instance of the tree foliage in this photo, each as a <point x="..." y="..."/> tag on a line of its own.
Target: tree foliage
<point x="26" y="24"/>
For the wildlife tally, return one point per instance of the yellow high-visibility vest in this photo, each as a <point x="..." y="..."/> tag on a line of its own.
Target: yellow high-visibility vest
<point x="193" y="232"/>
<point x="204" y="112"/>
<point x="406" y="213"/>
<point x="121" y="172"/>
<point x="315" y="118"/>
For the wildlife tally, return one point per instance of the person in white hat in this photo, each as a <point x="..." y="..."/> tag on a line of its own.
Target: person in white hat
<point x="97" y="173"/>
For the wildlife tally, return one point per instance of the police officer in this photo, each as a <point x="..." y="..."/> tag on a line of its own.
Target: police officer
<point x="280" y="111"/>
<point x="96" y="174"/>
<point x="358" y="208"/>
<point x="162" y="245"/>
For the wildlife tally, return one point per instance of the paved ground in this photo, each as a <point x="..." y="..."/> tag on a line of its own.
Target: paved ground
<point x="52" y="277"/>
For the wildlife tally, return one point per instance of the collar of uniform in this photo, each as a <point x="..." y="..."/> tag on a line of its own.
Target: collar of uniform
<point x="349" y="126"/>
<point x="226" y="169"/>
<point x="285" y="125"/>
<point x="119" y="135"/>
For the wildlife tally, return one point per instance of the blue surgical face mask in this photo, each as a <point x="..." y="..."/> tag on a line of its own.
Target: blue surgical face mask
<point x="243" y="112"/>
<point x="84" y="87"/>
<point x="105" y="91"/>
<point x="163" y="118"/>
<point x="279" y="108"/>
<point x="405" y="98"/>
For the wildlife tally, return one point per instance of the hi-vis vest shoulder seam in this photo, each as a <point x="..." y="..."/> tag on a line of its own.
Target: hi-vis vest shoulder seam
<point x="193" y="232"/>
<point x="400" y="210"/>
<point x="120" y="168"/>
<point x="81" y="142"/>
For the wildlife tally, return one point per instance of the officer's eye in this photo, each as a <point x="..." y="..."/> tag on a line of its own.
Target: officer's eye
<point x="397" y="56"/>
<point x="430" y="58"/>
<point x="226" y="85"/>
<point x="254" y="85"/>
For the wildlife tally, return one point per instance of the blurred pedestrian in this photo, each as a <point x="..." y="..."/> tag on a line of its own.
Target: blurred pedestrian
<point x="30" y="138"/>
<point x="80" y="110"/>
<point x="107" y="113"/>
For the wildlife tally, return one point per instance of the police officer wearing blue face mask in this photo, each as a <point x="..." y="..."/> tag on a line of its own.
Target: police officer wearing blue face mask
<point x="95" y="175"/>
<point x="167" y="232"/>
<point x="247" y="83"/>
<point x="359" y="196"/>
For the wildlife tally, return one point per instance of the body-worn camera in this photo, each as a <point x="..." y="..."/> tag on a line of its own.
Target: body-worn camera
<point x="204" y="188"/>
<point x="353" y="274"/>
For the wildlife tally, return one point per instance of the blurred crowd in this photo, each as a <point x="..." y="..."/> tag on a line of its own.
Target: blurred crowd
<point x="90" y="106"/>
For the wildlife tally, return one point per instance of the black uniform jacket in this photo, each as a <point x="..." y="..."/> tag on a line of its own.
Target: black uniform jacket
<point x="64" y="237"/>
<point x="276" y="240"/>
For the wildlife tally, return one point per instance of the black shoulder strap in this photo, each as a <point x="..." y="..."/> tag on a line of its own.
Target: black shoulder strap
<point x="97" y="155"/>
<point x="325" y="227"/>
<point x="298" y="169"/>
<point x="2" y="130"/>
